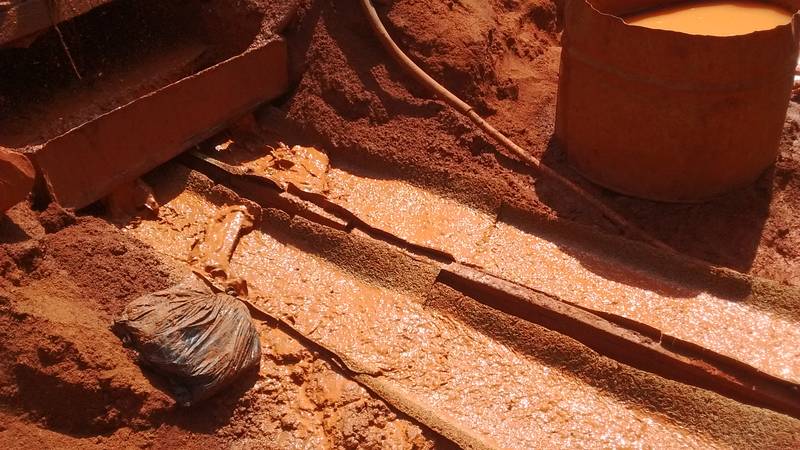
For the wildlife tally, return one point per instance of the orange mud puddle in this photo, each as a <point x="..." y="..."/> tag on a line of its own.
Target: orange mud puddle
<point x="383" y="328"/>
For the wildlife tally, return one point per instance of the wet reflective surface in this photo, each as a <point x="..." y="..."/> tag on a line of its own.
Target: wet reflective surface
<point x="755" y="337"/>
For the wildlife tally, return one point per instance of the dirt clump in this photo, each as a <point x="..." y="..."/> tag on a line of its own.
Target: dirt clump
<point x="61" y="365"/>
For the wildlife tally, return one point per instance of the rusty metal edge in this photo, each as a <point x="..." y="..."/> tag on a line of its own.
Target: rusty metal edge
<point x="66" y="166"/>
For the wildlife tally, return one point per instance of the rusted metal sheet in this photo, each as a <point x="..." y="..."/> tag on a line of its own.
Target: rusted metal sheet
<point x="19" y="19"/>
<point x="86" y="163"/>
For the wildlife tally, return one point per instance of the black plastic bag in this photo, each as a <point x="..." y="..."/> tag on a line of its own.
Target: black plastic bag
<point x="198" y="339"/>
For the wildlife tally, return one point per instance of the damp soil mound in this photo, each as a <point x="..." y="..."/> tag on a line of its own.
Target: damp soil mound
<point x="61" y="365"/>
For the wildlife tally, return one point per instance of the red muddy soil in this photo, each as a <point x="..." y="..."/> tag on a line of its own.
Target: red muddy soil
<point x="503" y="58"/>
<point x="66" y="380"/>
<point x="376" y="308"/>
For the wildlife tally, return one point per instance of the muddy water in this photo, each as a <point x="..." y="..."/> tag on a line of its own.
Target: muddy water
<point x="453" y="370"/>
<point x="399" y="208"/>
<point x="755" y="337"/>
<point x="714" y="18"/>
<point x="410" y="213"/>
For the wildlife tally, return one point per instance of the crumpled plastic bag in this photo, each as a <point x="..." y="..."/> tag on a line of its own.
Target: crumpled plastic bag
<point x="198" y="339"/>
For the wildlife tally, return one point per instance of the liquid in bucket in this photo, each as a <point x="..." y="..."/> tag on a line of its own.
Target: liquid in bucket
<point x="714" y="18"/>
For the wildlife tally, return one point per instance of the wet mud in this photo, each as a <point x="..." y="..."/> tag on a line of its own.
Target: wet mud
<point x="508" y="246"/>
<point x="375" y="314"/>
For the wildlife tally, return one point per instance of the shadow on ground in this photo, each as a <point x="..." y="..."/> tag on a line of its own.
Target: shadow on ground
<point x="725" y="231"/>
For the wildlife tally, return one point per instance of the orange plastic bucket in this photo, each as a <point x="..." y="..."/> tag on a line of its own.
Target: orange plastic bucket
<point x="670" y="116"/>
